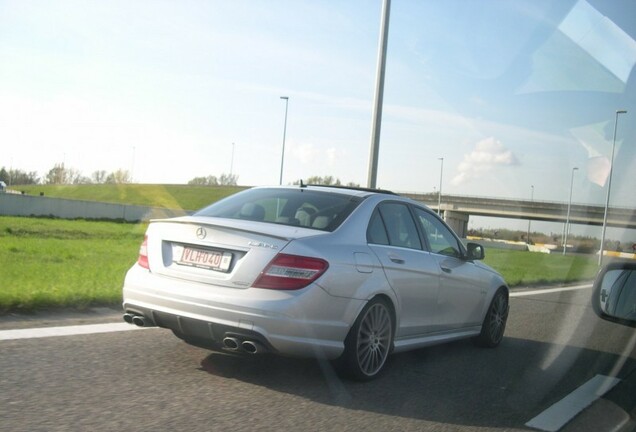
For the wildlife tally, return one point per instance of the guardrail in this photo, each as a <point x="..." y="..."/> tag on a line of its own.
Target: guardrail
<point x="29" y="205"/>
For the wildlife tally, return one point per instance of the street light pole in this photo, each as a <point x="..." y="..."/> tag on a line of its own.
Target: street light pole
<point x="609" y="186"/>
<point x="567" y="218"/>
<point x="379" y="95"/>
<point x="132" y="166"/>
<point x="282" y="158"/>
<point x="531" y="200"/>
<point x="439" y="193"/>
<point x="232" y="161"/>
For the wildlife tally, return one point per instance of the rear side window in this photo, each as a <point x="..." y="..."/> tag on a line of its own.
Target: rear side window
<point x="324" y="211"/>
<point x="392" y="224"/>
<point x="376" y="233"/>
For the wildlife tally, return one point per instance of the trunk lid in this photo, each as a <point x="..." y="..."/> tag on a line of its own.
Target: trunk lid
<point x="221" y="252"/>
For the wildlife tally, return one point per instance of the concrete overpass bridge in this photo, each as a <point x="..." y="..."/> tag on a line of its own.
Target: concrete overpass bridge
<point x="457" y="210"/>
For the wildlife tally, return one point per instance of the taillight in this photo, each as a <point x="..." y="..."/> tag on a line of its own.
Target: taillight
<point x="290" y="272"/>
<point x="143" y="254"/>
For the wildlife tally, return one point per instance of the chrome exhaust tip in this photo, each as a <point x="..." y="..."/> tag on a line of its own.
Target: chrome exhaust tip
<point x="141" y="321"/>
<point x="252" y="347"/>
<point x="128" y="317"/>
<point x="231" y="343"/>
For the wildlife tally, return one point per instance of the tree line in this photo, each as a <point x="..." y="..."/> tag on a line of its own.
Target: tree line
<point x="231" y="180"/>
<point x="223" y="180"/>
<point x="326" y="181"/>
<point x="60" y="175"/>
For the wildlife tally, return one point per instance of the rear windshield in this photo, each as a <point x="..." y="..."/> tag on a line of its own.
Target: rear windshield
<point x="301" y="207"/>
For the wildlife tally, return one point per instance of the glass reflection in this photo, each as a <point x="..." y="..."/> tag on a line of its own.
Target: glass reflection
<point x="618" y="294"/>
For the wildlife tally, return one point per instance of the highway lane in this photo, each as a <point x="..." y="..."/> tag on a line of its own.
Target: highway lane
<point x="149" y="380"/>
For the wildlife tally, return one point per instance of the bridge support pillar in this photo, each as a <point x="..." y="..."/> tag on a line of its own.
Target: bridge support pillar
<point x="457" y="221"/>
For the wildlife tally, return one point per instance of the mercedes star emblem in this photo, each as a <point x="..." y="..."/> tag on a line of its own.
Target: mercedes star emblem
<point x="201" y="233"/>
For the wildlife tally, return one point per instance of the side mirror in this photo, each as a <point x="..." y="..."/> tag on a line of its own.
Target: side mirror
<point x="614" y="297"/>
<point x="474" y="251"/>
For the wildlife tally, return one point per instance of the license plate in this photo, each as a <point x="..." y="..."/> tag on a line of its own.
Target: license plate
<point x="205" y="259"/>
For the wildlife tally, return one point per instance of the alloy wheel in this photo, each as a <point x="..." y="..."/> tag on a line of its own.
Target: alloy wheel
<point x="374" y="339"/>
<point x="498" y="317"/>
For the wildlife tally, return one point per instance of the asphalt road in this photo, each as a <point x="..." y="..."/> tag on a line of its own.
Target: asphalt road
<point x="150" y="380"/>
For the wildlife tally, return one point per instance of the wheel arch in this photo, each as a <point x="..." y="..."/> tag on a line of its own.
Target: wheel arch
<point x="498" y="286"/>
<point x="386" y="298"/>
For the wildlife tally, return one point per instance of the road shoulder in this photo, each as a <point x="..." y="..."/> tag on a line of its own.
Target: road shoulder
<point x="60" y="317"/>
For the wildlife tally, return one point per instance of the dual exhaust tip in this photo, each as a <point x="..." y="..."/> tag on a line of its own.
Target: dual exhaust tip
<point x="230" y="343"/>
<point x="138" y="320"/>
<point x="250" y="347"/>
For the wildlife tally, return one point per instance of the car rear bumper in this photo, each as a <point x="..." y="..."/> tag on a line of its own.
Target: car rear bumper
<point x="303" y="323"/>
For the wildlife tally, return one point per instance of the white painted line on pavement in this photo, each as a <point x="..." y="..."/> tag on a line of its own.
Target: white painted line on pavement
<point x="31" y="333"/>
<point x="555" y="417"/>
<point x="549" y="290"/>
<point x="115" y="327"/>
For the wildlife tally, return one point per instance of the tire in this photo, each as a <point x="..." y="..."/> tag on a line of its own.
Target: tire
<point x="494" y="325"/>
<point x="369" y="341"/>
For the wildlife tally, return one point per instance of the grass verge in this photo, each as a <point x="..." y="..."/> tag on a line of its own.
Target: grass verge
<point x="185" y="197"/>
<point x="60" y="263"/>
<point x="521" y="268"/>
<point x="53" y="263"/>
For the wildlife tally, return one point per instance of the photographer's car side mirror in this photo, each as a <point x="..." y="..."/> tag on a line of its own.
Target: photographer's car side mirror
<point x="614" y="297"/>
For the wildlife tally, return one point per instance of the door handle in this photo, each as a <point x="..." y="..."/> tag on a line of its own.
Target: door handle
<point x="396" y="259"/>
<point x="446" y="270"/>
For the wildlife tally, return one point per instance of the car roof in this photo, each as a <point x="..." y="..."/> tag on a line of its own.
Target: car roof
<point x="349" y="190"/>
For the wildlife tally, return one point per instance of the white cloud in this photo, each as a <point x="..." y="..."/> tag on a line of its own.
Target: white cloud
<point x="304" y="153"/>
<point x="332" y="154"/>
<point x="488" y="154"/>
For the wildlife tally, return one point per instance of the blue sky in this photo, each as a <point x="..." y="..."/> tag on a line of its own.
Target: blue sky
<point x="511" y="94"/>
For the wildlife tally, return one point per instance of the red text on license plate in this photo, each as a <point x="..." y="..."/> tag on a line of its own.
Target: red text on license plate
<point x="206" y="259"/>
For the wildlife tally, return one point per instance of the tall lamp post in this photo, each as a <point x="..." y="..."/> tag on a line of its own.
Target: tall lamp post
<point x="232" y="161"/>
<point x="567" y="218"/>
<point x="531" y="200"/>
<point x="132" y="166"/>
<point x="439" y="193"/>
<point x="282" y="158"/>
<point x="379" y="95"/>
<point x="609" y="187"/>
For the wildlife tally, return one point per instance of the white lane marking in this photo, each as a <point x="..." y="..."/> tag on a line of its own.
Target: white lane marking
<point x="115" y="327"/>
<point x="555" y="417"/>
<point x="549" y="290"/>
<point x="42" y="332"/>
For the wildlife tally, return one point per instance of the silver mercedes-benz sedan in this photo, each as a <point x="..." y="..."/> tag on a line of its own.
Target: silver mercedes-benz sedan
<point x="344" y="274"/>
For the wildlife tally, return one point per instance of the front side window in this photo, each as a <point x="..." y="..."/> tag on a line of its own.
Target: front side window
<point x="439" y="236"/>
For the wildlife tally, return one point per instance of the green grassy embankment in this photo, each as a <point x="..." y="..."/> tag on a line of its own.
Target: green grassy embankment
<point x="184" y="197"/>
<point x="49" y="263"/>
<point x="521" y="268"/>
<point x="52" y="263"/>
